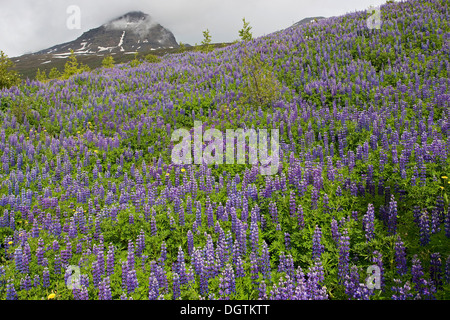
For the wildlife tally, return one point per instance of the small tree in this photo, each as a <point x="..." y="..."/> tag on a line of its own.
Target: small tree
<point x="8" y="77"/>
<point x="40" y="76"/>
<point x="245" y="33"/>
<point x="261" y="86"/>
<point x="182" y="47"/>
<point x="108" y="62"/>
<point x="206" y="42"/>
<point x="72" y="67"/>
<point x="135" y="62"/>
<point x="54" y="73"/>
<point x="151" y="58"/>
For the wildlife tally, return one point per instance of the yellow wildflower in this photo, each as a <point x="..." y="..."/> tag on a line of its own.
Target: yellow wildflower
<point x="183" y="169"/>
<point x="10" y="243"/>
<point x="51" y="296"/>
<point x="167" y="174"/>
<point x="444" y="177"/>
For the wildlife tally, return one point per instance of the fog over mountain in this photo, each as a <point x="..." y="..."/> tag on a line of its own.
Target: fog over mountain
<point x="31" y="25"/>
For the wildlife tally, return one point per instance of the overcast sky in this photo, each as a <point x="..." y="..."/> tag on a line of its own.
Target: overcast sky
<point x="32" y="25"/>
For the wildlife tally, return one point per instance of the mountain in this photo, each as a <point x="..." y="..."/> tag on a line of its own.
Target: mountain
<point x="132" y="32"/>
<point x="121" y="37"/>
<point x="307" y="20"/>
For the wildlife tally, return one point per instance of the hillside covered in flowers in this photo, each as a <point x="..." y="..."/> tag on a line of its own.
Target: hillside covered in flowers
<point x="88" y="185"/>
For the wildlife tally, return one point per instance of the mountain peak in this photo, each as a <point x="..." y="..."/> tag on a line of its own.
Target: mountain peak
<point x="132" y="32"/>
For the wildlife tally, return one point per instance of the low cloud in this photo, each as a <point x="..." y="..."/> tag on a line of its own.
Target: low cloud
<point x="32" y="25"/>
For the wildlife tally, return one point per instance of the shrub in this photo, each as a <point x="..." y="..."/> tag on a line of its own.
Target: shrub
<point x="108" y="62"/>
<point x="135" y="62"/>
<point x="54" y="74"/>
<point x="8" y="77"/>
<point x="72" y="67"/>
<point x="261" y="86"/>
<point x="40" y="76"/>
<point x="245" y="33"/>
<point x="151" y="58"/>
<point x="206" y="42"/>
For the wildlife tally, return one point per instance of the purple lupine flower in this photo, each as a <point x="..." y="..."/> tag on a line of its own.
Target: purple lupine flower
<point x="105" y="291"/>
<point x="140" y="243"/>
<point x="153" y="286"/>
<point x="292" y="204"/>
<point x="436" y="269"/>
<point x="317" y="247"/>
<point x="314" y="197"/>
<point x="163" y="252"/>
<point x="423" y="287"/>
<point x="227" y="283"/>
<point x="377" y="259"/>
<point x="351" y="282"/>
<point x="36" y="280"/>
<point x="273" y="212"/>
<point x="110" y="261"/>
<point x="447" y="270"/>
<point x="313" y="285"/>
<point x="210" y="215"/>
<point x="287" y="241"/>
<point x="130" y="255"/>
<point x="435" y="221"/>
<point x="392" y="216"/>
<point x="253" y="268"/>
<point x="25" y="283"/>
<point x="96" y="273"/>
<point x="153" y="226"/>
<point x="10" y="291"/>
<point x="132" y="281"/>
<point x="190" y="242"/>
<point x="18" y="259"/>
<point x="344" y="255"/>
<point x="264" y="262"/>
<point x="400" y="257"/>
<point x="57" y="264"/>
<point x="447" y="223"/>
<point x="334" y="230"/>
<point x="401" y="293"/>
<point x="254" y="236"/>
<point x="262" y="290"/>
<point x="46" y="278"/>
<point x="368" y="223"/>
<point x="240" y="273"/>
<point x="424" y="226"/>
<point x="181" y="267"/>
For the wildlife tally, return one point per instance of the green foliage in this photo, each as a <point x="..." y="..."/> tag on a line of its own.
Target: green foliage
<point x="41" y="76"/>
<point x="108" y="62"/>
<point x="54" y="74"/>
<point x="182" y="47"/>
<point x="261" y="86"/>
<point x="72" y="67"/>
<point x="8" y="77"/>
<point x="206" y="42"/>
<point x="135" y="62"/>
<point x="245" y="33"/>
<point x="151" y="58"/>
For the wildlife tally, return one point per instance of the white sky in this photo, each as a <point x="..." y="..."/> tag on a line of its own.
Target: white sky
<point x="33" y="25"/>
